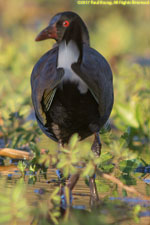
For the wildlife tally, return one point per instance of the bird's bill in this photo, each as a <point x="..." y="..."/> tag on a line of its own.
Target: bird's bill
<point x="48" y="32"/>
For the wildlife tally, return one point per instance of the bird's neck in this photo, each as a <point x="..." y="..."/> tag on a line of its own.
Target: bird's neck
<point x="68" y="53"/>
<point x="77" y="31"/>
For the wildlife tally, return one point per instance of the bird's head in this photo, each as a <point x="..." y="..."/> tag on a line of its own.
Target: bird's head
<point x="65" y="26"/>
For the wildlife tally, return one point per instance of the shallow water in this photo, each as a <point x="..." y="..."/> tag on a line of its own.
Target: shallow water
<point x="44" y="186"/>
<point x="81" y="194"/>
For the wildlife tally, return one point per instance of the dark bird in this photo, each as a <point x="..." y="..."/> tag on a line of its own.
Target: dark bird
<point x="72" y="87"/>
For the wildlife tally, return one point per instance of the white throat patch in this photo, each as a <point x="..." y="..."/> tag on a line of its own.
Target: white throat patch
<point x="68" y="54"/>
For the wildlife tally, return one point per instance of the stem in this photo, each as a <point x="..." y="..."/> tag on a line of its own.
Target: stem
<point x="130" y="189"/>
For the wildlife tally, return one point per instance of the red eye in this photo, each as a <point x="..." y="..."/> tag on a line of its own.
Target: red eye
<point x="66" y="23"/>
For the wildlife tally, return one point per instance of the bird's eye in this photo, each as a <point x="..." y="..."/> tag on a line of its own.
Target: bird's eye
<point x="66" y="23"/>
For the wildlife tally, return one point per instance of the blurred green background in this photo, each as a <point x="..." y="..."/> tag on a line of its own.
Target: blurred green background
<point x="122" y="35"/>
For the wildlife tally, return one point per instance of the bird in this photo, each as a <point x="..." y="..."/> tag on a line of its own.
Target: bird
<point x="72" y="84"/>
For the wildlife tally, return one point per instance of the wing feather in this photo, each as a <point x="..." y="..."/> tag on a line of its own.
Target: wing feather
<point x="45" y="78"/>
<point x="95" y="71"/>
<point x="48" y="98"/>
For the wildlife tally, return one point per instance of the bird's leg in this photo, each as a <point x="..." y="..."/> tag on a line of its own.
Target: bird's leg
<point x="69" y="183"/>
<point x="94" y="199"/>
<point x="96" y="148"/>
<point x="73" y="180"/>
<point x="59" y="173"/>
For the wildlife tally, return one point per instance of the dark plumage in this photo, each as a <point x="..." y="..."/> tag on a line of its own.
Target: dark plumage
<point x="72" y="89"/>
<point x="69" y="111"/>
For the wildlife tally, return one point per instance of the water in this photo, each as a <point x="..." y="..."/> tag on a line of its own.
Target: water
<point x="44" y="186"/>
<point x="81" y="194"/>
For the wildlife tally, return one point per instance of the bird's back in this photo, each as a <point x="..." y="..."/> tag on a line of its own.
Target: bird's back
<point x="68" y="110"/>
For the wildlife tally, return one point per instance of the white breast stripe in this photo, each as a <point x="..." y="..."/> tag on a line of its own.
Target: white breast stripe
<point x="68" y="54"/>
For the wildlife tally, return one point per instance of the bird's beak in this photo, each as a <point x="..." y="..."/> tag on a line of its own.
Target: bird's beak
<point x="48" y="32"/>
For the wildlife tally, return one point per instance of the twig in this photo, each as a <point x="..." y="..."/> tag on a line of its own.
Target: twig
<point x="130" y="189"/>
<point x="15" y="154"/>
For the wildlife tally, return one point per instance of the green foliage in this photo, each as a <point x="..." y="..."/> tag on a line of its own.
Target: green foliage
<point x="102" y="186"/>
<point x="136" y="211"/>
<point x="22" y="166"/>
<point x="13" y="203"/>
<point x="122" y="35"/>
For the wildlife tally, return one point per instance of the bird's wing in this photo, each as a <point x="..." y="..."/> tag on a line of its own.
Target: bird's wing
<point x="45" y="78"/>
<point x="95" y="71"/>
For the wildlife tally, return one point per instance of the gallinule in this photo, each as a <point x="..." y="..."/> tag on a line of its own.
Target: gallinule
<point x="72" y="87"/>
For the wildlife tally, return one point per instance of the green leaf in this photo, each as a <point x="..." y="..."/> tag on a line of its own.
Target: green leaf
<point x="21" y="166"/>
<point x="128" y="180"/>
<point x="105" y="157"/>
<point x="108" y="168"/>
<point x="127" y="166"/>
<point x="124" y="193"/>
<point x="73" y="141"/>
<point x="88" y="170"/>
<point x="102" y="187"/>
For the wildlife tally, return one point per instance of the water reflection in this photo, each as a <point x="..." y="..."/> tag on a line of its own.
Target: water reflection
<point x="81" y="194"/>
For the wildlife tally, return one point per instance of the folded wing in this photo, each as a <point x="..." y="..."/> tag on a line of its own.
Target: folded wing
<point x="45" y="78"/>
<point x="95" y="71"/>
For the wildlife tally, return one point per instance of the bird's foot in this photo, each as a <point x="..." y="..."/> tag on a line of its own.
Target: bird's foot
<point x="66" y="188"/>
<point x="61" y="177"/>
<point x="94" y="198"/>
<point x="96" y="148"/>
<point x="66" y="191"/>
<point x="66" y="197"/>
